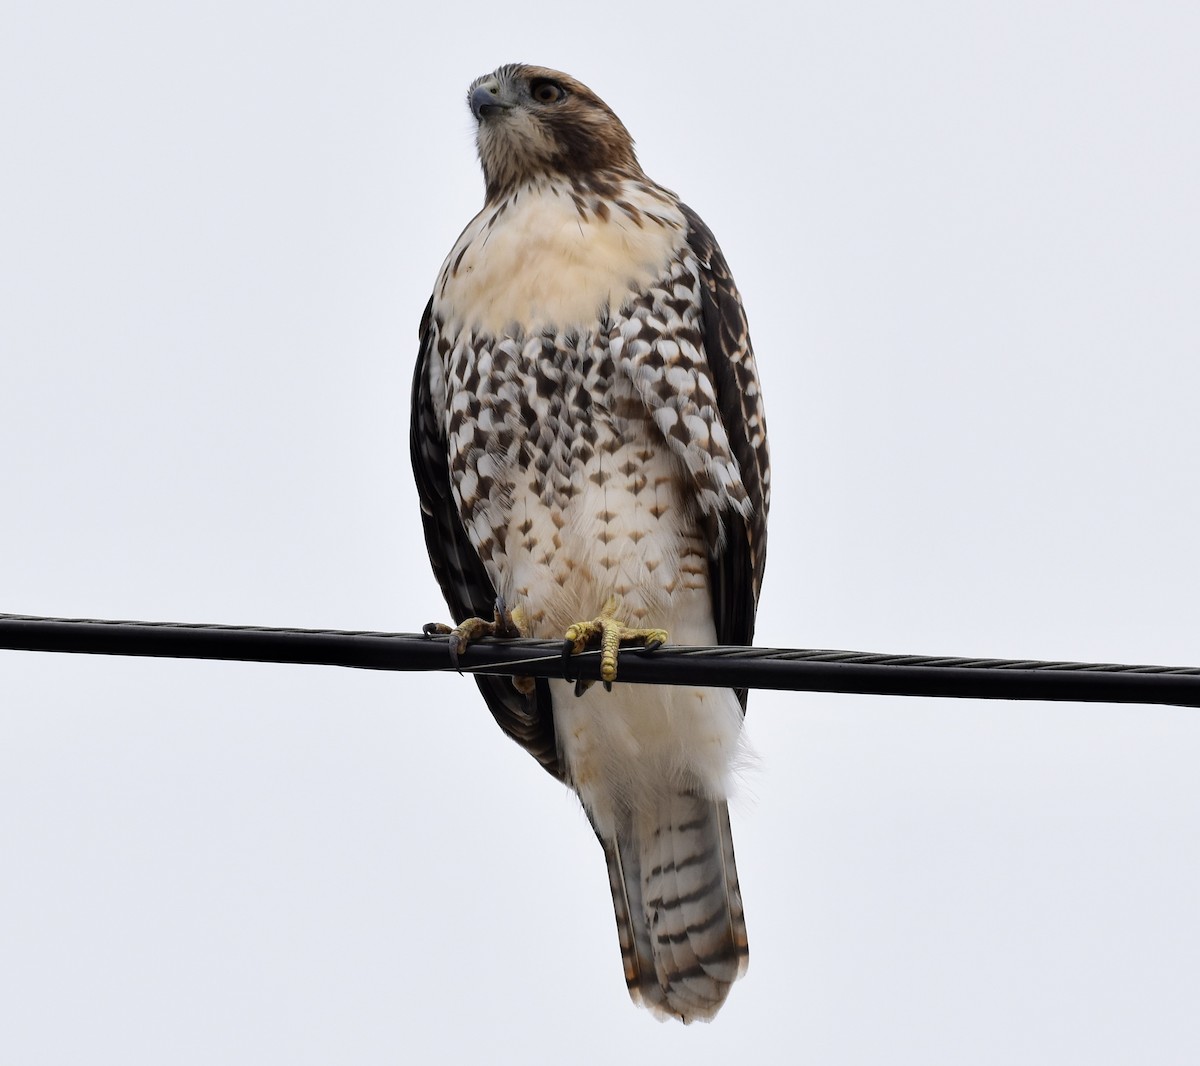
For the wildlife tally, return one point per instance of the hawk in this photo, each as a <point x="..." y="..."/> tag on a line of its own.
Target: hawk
<point x="591" y="459"/>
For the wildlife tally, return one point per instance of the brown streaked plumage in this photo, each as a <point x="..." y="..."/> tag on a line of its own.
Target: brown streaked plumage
<point x="588" y="437"/>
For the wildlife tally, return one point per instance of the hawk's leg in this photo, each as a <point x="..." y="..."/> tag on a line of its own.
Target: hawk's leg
<point x="610" y="633"/>
<point x="505" y="624"/>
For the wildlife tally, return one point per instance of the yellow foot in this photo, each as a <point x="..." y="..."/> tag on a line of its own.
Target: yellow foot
<point x="504" y="624"/>
<point x="610" y="632"/>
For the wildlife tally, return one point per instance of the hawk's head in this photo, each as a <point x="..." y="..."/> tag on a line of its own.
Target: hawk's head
<point x="536" y="122"/>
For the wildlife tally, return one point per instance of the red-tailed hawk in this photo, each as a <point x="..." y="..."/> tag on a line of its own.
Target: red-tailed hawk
<point x="589" y="447"/>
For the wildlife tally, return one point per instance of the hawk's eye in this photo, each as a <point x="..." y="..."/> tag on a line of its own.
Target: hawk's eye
<point x="545" y="91"/>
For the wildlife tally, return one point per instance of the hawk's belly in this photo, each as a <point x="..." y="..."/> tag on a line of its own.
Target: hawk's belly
<point x="568" y="490"/>
<point x="621" y="526"/>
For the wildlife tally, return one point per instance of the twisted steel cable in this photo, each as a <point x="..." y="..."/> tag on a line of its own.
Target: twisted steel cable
<point x="719" y="667"/>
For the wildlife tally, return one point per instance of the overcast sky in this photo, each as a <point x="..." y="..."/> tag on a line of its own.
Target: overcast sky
<point x="968" y="239"/>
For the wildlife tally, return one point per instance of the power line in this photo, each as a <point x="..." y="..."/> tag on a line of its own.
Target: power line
<point x="718" y="667"/>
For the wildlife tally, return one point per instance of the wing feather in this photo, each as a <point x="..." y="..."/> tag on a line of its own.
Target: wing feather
<point x="738" y="563"/>
<point x="528" y="719"/>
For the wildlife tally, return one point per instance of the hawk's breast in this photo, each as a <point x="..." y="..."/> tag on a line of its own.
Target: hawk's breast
<point x="564" y="483"/>
<point x="554" y="258"/>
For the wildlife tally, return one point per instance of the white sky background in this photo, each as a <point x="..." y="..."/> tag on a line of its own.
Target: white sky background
<point x="967" y="237"/>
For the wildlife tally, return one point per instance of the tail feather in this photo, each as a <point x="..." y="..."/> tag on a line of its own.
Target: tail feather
<point x="632" y="930"/>
<point x="678" y="906"/>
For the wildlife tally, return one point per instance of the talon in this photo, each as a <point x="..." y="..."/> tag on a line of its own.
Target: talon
<point x="505" y="625"/>
<point x="470" y="630"/>
<point x="577" y="637"/>
<point x="610" y="632"/>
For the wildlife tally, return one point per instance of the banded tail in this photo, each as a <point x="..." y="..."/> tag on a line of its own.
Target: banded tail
<point x="678" y="906"/>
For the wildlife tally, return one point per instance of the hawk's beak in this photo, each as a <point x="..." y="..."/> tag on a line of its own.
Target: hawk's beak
<point x="486" y="101"/>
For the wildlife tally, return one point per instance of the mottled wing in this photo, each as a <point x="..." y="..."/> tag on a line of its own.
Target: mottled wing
<point x="737" y="567"/>
<point x="529" y="720"/>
